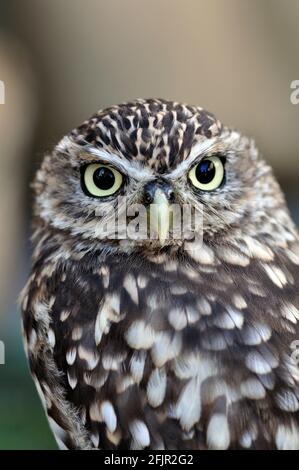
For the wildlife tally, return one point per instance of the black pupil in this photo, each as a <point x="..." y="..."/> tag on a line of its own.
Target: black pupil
<point x="104" y="178"/>
<point x="205" y="171"/>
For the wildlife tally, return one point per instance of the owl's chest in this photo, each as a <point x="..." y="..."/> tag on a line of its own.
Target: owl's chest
<point x="159" y="311"/>
<point x="125" y="306"/>
<point x="123" y="321"/>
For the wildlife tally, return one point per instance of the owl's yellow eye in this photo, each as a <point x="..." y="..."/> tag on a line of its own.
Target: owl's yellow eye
<point x="101" y="180"/>
<point x="208" y="174"/>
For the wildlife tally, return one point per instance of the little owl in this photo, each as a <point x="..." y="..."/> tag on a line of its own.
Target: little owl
<point x="163" y="342"/>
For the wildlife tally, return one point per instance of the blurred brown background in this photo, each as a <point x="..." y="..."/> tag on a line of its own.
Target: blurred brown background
<point x="61" y="60"/>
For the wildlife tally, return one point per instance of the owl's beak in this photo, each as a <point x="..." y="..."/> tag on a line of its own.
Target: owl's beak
<point x="160" y="215"/>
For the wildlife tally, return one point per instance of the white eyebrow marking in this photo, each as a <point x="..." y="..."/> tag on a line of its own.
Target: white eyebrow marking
<point x="199" y="150"/>
<point x="131" y="168"/>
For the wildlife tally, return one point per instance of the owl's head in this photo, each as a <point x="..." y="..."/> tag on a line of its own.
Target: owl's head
<point x="138" y="163"/>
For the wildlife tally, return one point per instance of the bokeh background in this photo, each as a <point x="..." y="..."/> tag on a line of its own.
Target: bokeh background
<point x="61" y="60"/>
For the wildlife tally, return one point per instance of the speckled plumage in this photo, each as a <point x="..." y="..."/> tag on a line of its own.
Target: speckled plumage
<point x="134" y="345"/>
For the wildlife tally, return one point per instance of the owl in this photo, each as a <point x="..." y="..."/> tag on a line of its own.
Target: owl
<point x="163" y="342"/>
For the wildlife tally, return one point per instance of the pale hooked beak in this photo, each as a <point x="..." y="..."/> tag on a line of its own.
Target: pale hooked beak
<point x="160" y="216"/>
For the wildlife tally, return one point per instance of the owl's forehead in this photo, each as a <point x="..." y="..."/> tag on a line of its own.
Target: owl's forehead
<point x="158" y="133"/>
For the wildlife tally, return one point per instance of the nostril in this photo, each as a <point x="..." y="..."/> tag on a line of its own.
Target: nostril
<point x="170" y="195"/>
<point x="148" y="197"/>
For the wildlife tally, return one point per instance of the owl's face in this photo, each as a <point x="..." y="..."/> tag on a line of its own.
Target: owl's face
<point x="152" y="153"/>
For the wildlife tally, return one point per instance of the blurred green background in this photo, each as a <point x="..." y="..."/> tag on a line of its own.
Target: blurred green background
<point x="61" y="60"/>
